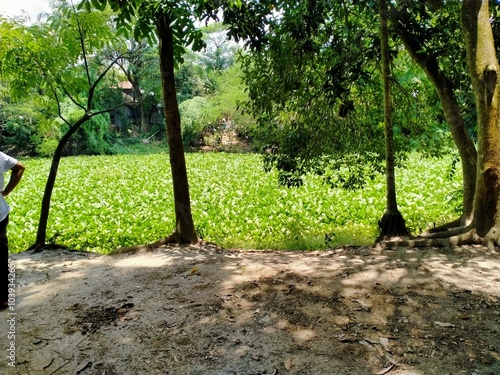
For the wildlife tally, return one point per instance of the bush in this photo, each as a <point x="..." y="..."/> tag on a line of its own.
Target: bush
<point x="17" y="135"/>
<point x="195" y="117"/>
<point x="92" y="138"/>
<point x="18" y="128"/>
<point x="47" y="147"/>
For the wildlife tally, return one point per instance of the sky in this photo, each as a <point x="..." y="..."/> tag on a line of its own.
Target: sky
<point x="15" y="8"/>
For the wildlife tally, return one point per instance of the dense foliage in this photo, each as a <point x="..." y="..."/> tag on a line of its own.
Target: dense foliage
<point x="324" y="102"/>
<point x="324" y="110"/>
<point x="313" y="96"/>
<point x="208" y="80"/>
<point x="235" y="203"/>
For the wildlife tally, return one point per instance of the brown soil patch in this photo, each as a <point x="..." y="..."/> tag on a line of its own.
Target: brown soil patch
<point x="202" y="310"/>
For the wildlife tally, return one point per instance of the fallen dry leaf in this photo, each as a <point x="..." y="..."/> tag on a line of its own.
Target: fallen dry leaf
<point x="384" y="341"/>
<point x="288" y="363"/>
<point x="49" y="363"/>
<point x="384" y="371"/>
<point x="441" y="324"/>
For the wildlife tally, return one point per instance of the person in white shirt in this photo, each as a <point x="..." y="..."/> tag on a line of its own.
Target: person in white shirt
<point x="17" y="169"/>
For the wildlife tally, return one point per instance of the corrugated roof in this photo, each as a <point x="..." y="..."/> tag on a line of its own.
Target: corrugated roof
<point x="125" y="85"/>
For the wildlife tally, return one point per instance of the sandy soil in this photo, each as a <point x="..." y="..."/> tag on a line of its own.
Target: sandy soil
<point x="203" y="310"/>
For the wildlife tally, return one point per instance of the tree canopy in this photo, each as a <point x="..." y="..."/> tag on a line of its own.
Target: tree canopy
<point x="314" y="73"/>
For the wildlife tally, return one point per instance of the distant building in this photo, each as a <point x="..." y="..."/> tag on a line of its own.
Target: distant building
<point x="129" y="116"/>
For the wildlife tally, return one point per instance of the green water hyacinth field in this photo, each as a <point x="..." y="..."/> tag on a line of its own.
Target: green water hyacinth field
<point x="101" y="203"/>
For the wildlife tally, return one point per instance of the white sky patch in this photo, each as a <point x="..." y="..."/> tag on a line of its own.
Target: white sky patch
<point x="18" y="8"/>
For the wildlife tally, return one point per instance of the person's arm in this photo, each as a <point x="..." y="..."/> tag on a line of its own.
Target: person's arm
<point x="15" y="177"/>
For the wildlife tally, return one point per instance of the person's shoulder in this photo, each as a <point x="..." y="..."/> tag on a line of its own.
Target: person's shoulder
<point x="7" y="160"/>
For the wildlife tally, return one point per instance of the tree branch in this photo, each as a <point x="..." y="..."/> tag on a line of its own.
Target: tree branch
<point x="68" y="94"/>
<point x="59" y="111"/>
<point x="81" y="37"/>
<point x="99" y="79"/>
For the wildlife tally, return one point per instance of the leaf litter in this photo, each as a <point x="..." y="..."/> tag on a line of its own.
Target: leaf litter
<point x="205" y="310"/>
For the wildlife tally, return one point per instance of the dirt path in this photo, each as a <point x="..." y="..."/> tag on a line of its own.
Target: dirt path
<point x="200" y="310"/>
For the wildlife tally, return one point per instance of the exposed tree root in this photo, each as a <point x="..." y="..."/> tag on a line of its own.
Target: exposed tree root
<point x="174" y="238"/>
<point x="38" y="248"/>
<point x="492" y="238"/>
<point x="443" y="228"/>
<point x="391" y="225"/>
<point x="144" y="247"/>
<point x="448" y="233"/>
<point x="468" y="238"/>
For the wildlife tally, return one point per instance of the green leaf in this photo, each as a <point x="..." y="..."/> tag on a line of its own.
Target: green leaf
<point x="99" y="4"/>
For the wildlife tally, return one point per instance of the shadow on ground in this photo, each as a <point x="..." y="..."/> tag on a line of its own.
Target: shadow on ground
<point x="203" y="310"/>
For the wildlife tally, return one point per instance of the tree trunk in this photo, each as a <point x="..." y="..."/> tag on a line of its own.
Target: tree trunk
<point x="184" y="229"/>
<point x="145" y="128"/>
<point x="392" y="222"/>
<point x="139" y="98"/>
<point x="456" y="123"/>
<point x="484" y="71"/>
<point x="41" y="236"/>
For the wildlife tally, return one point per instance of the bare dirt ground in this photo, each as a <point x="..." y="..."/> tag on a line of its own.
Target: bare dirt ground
<point x="203" y="310"/>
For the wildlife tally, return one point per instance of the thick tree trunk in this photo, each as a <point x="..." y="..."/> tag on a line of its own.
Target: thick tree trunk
<point x="392" y="222"/>
<point x="484" y="71"/>
<point x="451" y="109"/>
<point x="184" y="229"/>
<point x="485" y="75"/>
<point x="41" y="236"/>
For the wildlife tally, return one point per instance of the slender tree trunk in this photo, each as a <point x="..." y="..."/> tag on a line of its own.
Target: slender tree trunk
<point x="139" y="98"/>
<point x="184" y="229"/>
<point x="463" y="141"/>
<point x="485" y="75"/>
<point x="392" y="222"/>
<point x="145" y="128"/>
<point x="41" y="236"/>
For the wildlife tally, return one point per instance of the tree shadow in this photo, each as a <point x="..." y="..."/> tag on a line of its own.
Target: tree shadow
<point x="202" y="310"/>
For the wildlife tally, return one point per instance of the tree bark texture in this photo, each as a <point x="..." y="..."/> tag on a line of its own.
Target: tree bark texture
<point x="184" y="228"/>
<point x="469" y="237"/>
<point x="392" y="222"/>
<point x="389" y="131"/>
<point x="41" y="236"/>
<point x="463" y="141"/>
<point x="485" y="75"/>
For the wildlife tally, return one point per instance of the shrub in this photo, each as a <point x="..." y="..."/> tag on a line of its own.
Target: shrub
<point x="195" y="117"/>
